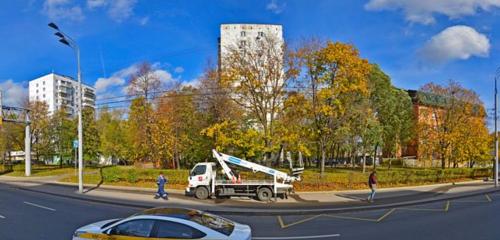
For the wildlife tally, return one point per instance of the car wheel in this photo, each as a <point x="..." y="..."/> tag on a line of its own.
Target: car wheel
<point x="264" y="194"/>
<point x="201" y="193"/>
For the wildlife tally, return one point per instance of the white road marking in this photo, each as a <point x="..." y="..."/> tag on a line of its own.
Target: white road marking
<point x="298" y="237"/>
<point x="2" y="217"/>
<point x="39" y="206"/>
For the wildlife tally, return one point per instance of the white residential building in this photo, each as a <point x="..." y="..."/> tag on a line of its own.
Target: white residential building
<point x="246" y="36"/>
<point x="60" y="92"/>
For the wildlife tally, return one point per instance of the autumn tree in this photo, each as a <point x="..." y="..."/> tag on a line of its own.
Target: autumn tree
<point x="258" y="74"/>
<point x="181" y="122"/>
<point x="144" y="82"/>
<point x="39" y="126"/>
<point x="140" y="123"/>
<point x="333" y="72"/>
<point x="450" y="117"/>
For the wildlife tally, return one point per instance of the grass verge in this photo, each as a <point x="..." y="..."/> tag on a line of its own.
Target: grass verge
<point x="333" y="179"/>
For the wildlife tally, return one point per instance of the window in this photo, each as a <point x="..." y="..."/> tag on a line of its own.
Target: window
<point x="243" y="34"/>
<point x="43" y="96"/>
<point x="43" y="89"/>
<point x="243" y="43"/>
<point x="137" y="228"/>
<point x="43" y="82"/>
<point x="168" y="229"/>
<point x="199" y="170"/>
<point x="37" y="85"/>
<point x="260" y="34"/>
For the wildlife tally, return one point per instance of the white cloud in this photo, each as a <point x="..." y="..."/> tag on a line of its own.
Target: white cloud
<point x="62" y="10"/>
<point x="179" y="70"/>
<point x="192" y="83"/>
<point x="456" y="42"/>
<point x="164" y="76"/>
<point x="96" y="3"/>
<point x="102" y="84"/>
<point x="13" y="94"/>
<point x="117" y="79"/>
<point x="275" y="7"/>
<point x="118" y="10"/>
<point x="117" y="83"/>
<point x="423" y="11"/>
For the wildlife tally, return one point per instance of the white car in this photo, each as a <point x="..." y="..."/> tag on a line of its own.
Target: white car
<point x="165" y="223"/>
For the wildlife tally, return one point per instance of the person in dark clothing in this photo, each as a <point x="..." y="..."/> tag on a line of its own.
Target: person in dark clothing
<point x="161" y="181"/>
<point x="372" y="183"/>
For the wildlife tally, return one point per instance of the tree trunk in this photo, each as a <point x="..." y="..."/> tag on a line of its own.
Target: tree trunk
<point x="364" y="160"/>
<point x="323" y="156"/>
<point x="375" y="157"/>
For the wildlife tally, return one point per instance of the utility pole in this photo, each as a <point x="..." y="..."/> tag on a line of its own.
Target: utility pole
<point x="27" y="146"/>
<point x="67" y="40"/>
<point x="497" y="75"/>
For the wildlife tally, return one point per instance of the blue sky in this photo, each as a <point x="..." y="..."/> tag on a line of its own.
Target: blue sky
<point x="414" y="41"/>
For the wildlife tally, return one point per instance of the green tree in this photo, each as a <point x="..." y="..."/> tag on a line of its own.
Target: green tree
<point x="393" y="110"/>
<point x="113" y="131"/>
<point x="63" y="132"/>
<point x="91" y="139"/>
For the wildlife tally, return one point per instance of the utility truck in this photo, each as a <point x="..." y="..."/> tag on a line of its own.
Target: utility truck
<point x="205" y="183"/>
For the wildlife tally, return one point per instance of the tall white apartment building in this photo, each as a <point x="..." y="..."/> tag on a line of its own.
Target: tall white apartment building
<point x="246" y="36"/>
<point x="60" y="92"/>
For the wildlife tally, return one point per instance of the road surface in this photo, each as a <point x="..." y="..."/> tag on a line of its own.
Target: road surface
<point x="37" y="216"/>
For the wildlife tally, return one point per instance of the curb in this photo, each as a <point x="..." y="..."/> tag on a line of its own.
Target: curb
<point x="281" y="212"/>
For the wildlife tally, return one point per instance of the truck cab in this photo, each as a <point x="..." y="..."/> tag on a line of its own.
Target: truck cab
<point x="200" y="178"/>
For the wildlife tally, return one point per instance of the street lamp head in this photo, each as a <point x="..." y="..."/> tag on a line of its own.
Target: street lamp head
<point x="54" y="26"/>
<point x="59" y="34"/>
<point x="63" y="40"/>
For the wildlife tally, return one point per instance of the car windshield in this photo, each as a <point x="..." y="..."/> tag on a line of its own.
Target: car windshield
<point x="109" y="223"/>
<point x="213" y="222"/>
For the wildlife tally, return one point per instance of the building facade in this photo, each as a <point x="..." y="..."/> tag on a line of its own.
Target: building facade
<point x="61" y="92"/>
<point x="244" y="36"/>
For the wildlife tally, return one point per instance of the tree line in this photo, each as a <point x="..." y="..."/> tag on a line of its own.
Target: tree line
<point x="321" y="99"/>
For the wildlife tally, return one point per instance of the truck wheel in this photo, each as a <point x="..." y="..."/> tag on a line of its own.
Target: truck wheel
<point x="201" y="193"/>
<point x="264" y="194"/>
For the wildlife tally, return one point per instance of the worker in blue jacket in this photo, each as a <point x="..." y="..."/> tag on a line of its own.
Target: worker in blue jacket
<point x="161" y="181"/>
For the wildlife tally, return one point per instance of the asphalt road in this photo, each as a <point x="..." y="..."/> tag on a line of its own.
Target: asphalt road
<point x="35" y="216"/>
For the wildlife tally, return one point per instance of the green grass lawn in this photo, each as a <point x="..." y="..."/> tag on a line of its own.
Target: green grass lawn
<point x="43" y="170"/>
<point x="333" y="179"/>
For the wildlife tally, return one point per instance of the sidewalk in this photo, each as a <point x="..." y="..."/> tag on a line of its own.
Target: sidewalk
<point x="301" y="202"/>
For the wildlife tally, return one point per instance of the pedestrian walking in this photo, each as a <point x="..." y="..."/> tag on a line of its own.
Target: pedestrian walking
<point x="372" y="183"/>
<point x="161" y="181"/>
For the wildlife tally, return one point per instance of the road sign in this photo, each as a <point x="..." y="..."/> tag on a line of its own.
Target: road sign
<point x="75" y="144"/>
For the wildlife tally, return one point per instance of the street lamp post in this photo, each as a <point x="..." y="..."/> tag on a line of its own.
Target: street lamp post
<point x="68" y="41"/>
<point x="497" y="75"/>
